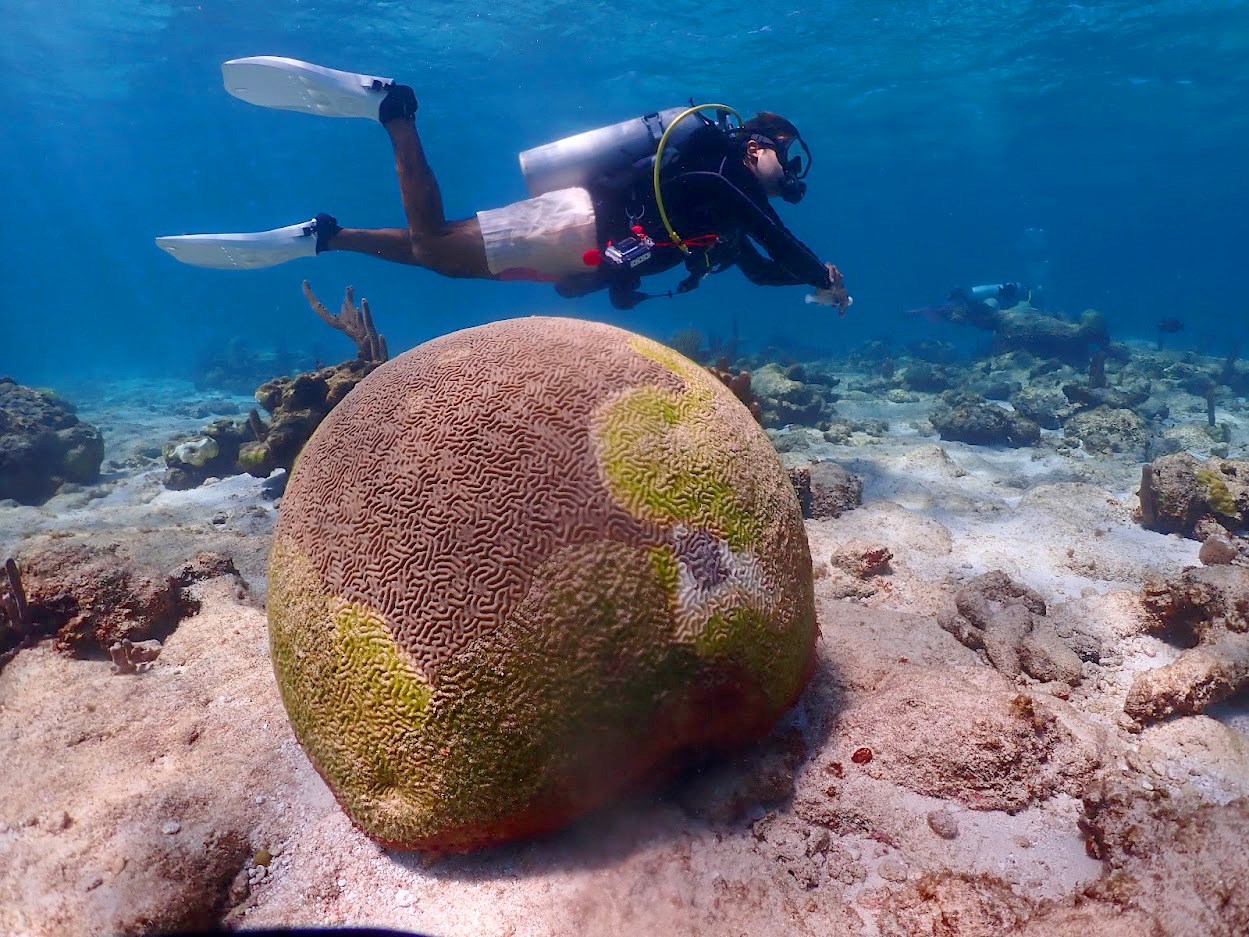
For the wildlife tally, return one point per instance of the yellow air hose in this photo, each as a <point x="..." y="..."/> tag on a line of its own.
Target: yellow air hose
<point x="659" y="154"/>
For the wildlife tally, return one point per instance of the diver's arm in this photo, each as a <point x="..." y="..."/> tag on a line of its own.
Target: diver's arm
<point x="766" y="228"/>
<point x="761" y="270"/>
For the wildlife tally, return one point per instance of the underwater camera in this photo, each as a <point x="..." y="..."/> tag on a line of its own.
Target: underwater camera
<point x="630" y="251"/>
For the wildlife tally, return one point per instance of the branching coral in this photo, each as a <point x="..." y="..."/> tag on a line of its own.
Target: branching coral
<point x="14" y="612"/>
<point x="296" y="405"/>
<point x="739" y="383"/>
<point x="356" y="322"/>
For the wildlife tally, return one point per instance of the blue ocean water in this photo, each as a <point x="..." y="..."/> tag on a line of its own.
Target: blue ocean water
<point x="941" y="131"/>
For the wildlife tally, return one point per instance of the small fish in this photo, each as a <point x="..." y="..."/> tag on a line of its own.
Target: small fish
<point x="825" y="298"/>
<point x="1170" y="325"/>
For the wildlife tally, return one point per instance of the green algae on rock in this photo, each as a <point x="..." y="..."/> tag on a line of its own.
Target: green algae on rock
<point x="526" y="567"/>
<point x="1182" y="494"/>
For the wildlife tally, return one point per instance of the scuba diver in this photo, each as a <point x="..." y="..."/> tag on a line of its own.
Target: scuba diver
<point x="605" y="210"/>
<point x="978" y="306"/>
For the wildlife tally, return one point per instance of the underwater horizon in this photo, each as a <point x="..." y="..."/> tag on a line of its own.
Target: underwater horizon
<point x="940" y="131"/>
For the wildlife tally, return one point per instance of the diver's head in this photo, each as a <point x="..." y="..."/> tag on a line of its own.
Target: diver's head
<point x="771" y="154"/>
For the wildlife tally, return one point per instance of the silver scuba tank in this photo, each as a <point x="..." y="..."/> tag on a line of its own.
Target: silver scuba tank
<point x="574" y="161"/>
<point x="994" y="291"/>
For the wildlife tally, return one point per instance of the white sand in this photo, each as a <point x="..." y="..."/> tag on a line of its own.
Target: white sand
<point x="127" y="800"/>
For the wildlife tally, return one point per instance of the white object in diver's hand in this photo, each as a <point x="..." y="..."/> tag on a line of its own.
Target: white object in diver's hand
<point x="825" y="298"/>
<point x="250" y="251"/>
<point x="292" y="85"/>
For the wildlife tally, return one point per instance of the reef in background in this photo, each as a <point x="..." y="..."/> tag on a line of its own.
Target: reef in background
<point x="296" y="406"/>
<point x="43" y="444"/>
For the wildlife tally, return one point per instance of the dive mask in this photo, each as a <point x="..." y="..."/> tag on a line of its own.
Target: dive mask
<point x="796" y="166"/>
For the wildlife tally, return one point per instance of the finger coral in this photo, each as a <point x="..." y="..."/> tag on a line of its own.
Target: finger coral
<point x="1007" y="621"/>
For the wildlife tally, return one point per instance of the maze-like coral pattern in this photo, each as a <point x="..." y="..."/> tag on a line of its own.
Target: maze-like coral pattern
<point x="522" y="567"/>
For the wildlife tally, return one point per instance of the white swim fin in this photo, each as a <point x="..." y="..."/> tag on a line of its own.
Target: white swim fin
<point x="292" y="85"/>
<point x="251" y="251"/>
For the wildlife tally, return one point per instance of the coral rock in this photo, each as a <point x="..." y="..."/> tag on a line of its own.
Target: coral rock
<point x="1023" y="328"/>
<point x="925" y="377"/>
<point x="1179" y="492"/>
<point x="825" y="489"/>
<point x="94" y="598"/>
<point x="862" y="560"/>
<point x="1103" y="429"/>
<point x="206" y="565"/>
<point x="1007" y="621"/>
<point x="784" y="400"/>
<point x="1219" y="549"/>
<point x="971" y="419"/>
<point x="1208" y="610"/>
<point x="525" y="567"/>
<point x="1046" y="408"/>
<point x="43" y="444"/>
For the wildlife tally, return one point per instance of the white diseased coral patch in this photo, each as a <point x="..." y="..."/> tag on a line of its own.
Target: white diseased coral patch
<point x="714" y="579"/>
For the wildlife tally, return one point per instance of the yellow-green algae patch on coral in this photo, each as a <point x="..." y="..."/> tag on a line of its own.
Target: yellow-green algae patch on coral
<point x="663" y="460"/>
<point x="695" y="458"/>
<point x="745" y="637"/>
<point x="356" y="704"/>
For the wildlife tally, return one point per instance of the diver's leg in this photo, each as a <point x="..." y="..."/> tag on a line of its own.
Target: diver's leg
<point x="452" y="248"/>
<point x="393" y="244"/>
<point x="454" y="253"/>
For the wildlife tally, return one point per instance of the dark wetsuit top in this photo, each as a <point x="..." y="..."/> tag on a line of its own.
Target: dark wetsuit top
<point x="708" y="190"/>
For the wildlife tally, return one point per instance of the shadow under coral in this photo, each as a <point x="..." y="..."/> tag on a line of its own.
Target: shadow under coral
<point x="699" y="796"/>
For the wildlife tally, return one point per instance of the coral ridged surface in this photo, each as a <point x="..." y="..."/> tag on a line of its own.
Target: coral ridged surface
<point x="524" y="567"/>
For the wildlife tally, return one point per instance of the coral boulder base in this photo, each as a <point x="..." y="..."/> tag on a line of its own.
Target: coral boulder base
<point x="525" y="567"/>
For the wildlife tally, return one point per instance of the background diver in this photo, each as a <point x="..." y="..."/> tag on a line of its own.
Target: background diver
<point x="977" y="306"/>
<point x="600" y="218"/>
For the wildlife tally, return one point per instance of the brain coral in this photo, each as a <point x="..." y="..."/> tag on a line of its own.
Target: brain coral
<point x="524" y="567"/>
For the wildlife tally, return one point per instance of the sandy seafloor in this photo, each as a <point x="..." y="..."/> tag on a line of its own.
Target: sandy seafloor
<point x="128" y="800"/>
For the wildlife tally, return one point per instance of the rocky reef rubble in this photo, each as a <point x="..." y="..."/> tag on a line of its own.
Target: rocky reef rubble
<point x="1042" y="371"/>
<point x="96" y="600"/>
<point x="994" y="614"/>
<point x="295" y="407"/>
<point x="825" y="489"/>
<point x="1197" y="498"/>
<point x="1205" y="611"/>
<point x="1055" y="374"/>
<point x="43" y="444"/>
<point x="969" y="418"/>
